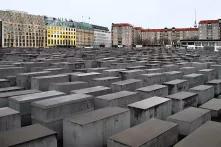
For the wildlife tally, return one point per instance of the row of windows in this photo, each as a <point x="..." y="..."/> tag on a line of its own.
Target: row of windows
<point x="62" y="29"/>
<point x="61" y="42"/>
<point x="60" y="36"/>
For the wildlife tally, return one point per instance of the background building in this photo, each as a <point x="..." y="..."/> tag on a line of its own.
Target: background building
<point x="84" y="35"/>
<point x="209" y="29"/>
<point x="102" y="36"/>
<point x="60" y="33"/>
<point x="137" y="36"/>
<point x="122" y="34"/>
<point x="20" y="29"/>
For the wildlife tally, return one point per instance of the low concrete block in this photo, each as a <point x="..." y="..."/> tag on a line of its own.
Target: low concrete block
<point x="23" y="103"/>
<point x="51" y="112"/>
<point x="42" y="83"/>
<point x="86" y="77"/>
<point x="183" y="100"/>
<point x="39" y="137"/>
<point x="152" y="133"/>
<point x="130" y="85"/>
<point x="208" y="135"/>
<point x="209" y="74"/>
<point x="5" y="95"/>
<point x="151" y="79"/>
<point x="104" y="81"/>
<point x="131" y="74"/>
<point x="217" y="86"/>
<point x="194" y="79"/>
<point x="214" y="105"/>
<point x="67" y="87"/>
<point x="10" y="71"/>
<point x="154" y="107"/>
<point x="217" y="70"/>
<point x="172" y="75"/>
<point x="205" y="93"/>
<point x="94" y="128"/>
<point x="190" y="119"/>
<point x="4" y="83"/>
<point x="113" y="72"/>
<point x="95" y="91"/>
<point x="9" y="119"/>
<point x="153" y="90"/>
<point x="188" y="70"/>
<point x="120" y="99"/>
<point x="176" y="86"/>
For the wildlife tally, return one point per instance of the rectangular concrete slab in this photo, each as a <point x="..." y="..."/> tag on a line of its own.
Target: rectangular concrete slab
<point x="43" y="82"/>
<point x="120" y="99"/>
<point x="208" y="135"/>
<point x="9" y="119"/>
<point x="214" y="105"/>
<point x="34" y="135"/>
<point x="148" y="134"/>
<point x="205" y="93"/>
<point x="176" y="86"/>
<point x="5" y="95"/>
<point x="154" y="107"/>
<point x="95" y="127"/>
<point x="190" y="119"/>
<point x="95" y="91"/>
<point x="153" y="90"/>
<point x="67" y="87"/>
<point x="194" y="79"/>
<point x="217" y="86"/>
<point x="183" y="100"/>
<point x="23" y="103"/>
<point x="104" y="81"/>
<point x="130" y="85"/>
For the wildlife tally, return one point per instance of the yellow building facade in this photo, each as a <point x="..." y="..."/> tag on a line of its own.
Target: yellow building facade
<point x="61" y="36"/>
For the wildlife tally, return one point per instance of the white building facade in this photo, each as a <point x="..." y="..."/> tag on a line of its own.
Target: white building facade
<point x="102" y="36"/>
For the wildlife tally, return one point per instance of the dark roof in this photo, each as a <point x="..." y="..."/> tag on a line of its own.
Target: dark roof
<point x="100" y="27"/>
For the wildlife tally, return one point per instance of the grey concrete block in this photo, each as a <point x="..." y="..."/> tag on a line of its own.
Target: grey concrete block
<point x="113" y="72"/>
<point x="94" y="128"/>
<point x="120" y="99"/>
<point x="23" y="103"/>
<point x="130" y="85"/>
<point x="5" y="95"/>
<point x="104" y="81"/>
<point x="95" y="91"/>
<point x="42" y="83"/>
<point x="131" y="74"/>
<point x="194" y="79"/>
<point x="209" y="74"/>
<point x="151" y="79"/>
<point x="153" y="90"/>
<point x="217" y="86"/>
<point x="9" y="119"/>
<point x="214" y="105"/>
<point x="39" y="137"/>
<point x="190" y="119"/>
<point x="183" y="100"/>
<point x="208" y="135"/>
<point x="152" y="133"/>
<point x="176" y="86"/>
<point x="67" y="87"/>
<point x="172" y="75"/>
<point x="188" y="70"/>
<point x="86" y="77"/>
<point x="154" y="107"/>
<point x="205" y="93"/>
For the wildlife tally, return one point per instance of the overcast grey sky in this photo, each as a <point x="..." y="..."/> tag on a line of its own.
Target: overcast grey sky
<point x="145" y="13"/>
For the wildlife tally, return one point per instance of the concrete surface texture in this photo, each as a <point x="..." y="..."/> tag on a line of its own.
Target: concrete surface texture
<point x="115" y="97"/>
